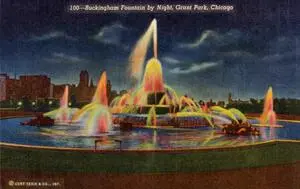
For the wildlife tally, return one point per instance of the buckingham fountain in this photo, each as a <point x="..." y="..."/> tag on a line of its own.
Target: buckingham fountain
<point x="150" y="129"/>
<point x="149" y="103"/>
<point x="151" y="115"/>
<point x="152" y="104"/>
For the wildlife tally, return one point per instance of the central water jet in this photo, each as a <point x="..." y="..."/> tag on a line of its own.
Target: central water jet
<point x="138" y="55"/>
<point x="153" y="78"/>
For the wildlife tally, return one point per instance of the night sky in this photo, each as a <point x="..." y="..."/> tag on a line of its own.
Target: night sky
<point x="203" y="55"/>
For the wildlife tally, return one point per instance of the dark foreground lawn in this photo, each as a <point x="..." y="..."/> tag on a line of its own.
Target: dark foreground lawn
<point x="50" y="160"/>
<point x="270" y="166"/>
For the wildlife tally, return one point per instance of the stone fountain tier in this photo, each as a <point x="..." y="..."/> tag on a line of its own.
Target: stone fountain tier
<point x="154" y="98"/>
<point x="163" y="120"/>
<point x="159" y="109"/>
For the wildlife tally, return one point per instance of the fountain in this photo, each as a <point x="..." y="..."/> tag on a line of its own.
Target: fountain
<point x="96" y="116"/>
<point x="151" y="97"/>
<point x="222" y="111"/>
<point x="138" y="55"/>
<point x="63" y="114"/>
<point x="153" y="80"/>
<point x="151" y="119"/>
<point x="150" y="104"/>
<point x="268" y="116"/>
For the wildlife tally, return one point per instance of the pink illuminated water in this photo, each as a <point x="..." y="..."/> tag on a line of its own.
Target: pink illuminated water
<point x="268" y="116"/>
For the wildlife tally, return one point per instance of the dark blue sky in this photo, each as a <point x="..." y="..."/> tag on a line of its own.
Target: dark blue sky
<point x="203" y="55"/>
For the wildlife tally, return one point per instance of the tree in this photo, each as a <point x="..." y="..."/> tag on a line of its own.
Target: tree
<point x="26" y="106"/>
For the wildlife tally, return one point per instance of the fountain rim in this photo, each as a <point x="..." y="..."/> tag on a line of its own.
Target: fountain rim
<point x="174" y="150"/>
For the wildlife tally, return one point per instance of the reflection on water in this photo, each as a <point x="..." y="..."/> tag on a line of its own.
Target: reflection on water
<point x="139" y="138"/>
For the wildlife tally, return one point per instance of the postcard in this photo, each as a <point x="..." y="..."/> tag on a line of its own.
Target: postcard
<point x="124" y="94"/>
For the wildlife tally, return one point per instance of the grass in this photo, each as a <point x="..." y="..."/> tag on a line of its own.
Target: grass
<point x="46" y="160"/>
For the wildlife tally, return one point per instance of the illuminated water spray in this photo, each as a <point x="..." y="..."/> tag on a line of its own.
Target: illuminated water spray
<point x="151" y="119"/>
<point x="224" y="112"/>
<point x="154" y="38"/>
<point x="153" y="78"/>
<point x="64" y="98"/>
<point x="100" y="95"/>
<point x="63" y="114"/>
<point x="138" y="55"/>
<point x="268" y="116"/>
<point x="152" y="83"/>
<point x="96" y="115"/>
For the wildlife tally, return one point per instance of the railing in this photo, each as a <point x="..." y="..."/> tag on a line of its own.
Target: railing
<point x="101" y="140"/>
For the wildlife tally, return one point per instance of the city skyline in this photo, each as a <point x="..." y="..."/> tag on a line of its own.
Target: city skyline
<point x="243" y="53"/>
<point x="40" y="87"/>
<point x="85" y="82"/>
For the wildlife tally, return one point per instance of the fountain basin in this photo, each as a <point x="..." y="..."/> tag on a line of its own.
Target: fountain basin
<point x="140" y="138"/>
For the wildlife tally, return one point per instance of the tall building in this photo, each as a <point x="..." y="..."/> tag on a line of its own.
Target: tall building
<point x="83" y="79"/>
<point x="39" y="86"/>
<point x="84" y="91"/>
<point x="13" y="89"/>
<point x="30" y="86"/>
<point x="3" y="79"/>
<point x="58" y="91"/>
<point x="35" y="86"/>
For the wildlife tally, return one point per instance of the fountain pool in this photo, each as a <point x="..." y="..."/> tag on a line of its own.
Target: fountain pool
<point x="139" y="138"/>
